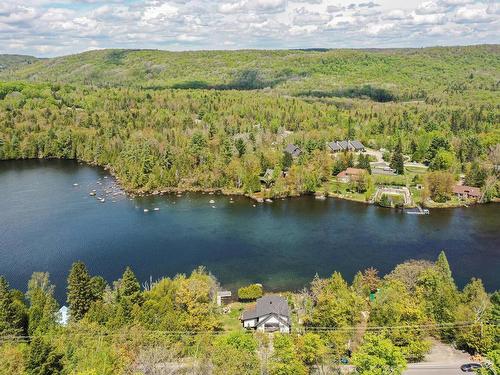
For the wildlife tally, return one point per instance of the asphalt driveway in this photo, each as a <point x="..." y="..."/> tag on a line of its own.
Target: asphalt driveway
<point x="442" y="360"/>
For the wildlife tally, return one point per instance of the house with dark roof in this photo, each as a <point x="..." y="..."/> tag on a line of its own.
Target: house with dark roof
<point x="467" y="192"/>
<point x="293" y="150"/>
<point x="338" y="146"/>
<point x="270" y="314"/>
<point x="334" y="146"/>
<point x="357" y="146"/>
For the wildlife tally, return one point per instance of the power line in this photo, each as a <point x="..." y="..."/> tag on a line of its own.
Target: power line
<point x="221" y="332"/>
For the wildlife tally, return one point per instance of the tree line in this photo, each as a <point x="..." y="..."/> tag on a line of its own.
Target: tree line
<point x="378" y="324"/>
<point x="157" y="140"/>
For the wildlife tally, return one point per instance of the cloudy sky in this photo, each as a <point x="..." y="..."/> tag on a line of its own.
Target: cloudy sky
<point x="60" y="27"/>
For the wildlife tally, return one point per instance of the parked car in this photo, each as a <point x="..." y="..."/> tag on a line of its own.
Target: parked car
<point x="470" y="367"/>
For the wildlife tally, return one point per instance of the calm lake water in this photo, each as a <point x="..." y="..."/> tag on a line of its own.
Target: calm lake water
<point x="46" y="223"/>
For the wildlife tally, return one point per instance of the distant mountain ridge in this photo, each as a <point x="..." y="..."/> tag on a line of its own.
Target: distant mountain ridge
<point x="388" y="73"/>
<point x="8" y="61"/>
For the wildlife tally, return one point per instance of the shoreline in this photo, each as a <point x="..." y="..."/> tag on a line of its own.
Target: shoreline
<point x="238" y="193"/>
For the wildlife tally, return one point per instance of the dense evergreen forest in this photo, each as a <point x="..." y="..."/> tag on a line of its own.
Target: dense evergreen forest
<point x="219" y="120"/>
<point x="174" y="326"/>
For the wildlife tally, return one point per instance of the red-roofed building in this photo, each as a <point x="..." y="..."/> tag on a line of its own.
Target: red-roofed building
<point x="467" y="192"/>
<point x="350" y="174"/>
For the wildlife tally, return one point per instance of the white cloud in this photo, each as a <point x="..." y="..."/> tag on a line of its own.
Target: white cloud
<point x="427" y="19"/>
<point x="188" y="38"/>
<point x="431" y="7"/>
<point x="474" y="14"/>
<point x="160" y="11"/>
<point x="379" y="28"/>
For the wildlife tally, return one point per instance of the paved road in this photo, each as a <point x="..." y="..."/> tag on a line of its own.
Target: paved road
<point x="442" y="360"/>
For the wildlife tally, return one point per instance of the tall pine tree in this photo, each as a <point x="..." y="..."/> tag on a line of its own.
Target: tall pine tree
<point x="13" y="317"/>
<point x="43" y="305"/>
<point x="42" y="359"/>
<point x="129" y="284"/>
<point x="397" y="160"/>
<point x="6" y="308"/>
<point x="80" y="295"/>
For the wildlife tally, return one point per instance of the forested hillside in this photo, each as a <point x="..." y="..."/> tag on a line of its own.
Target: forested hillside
<point x="8" y="63"/>
<point x="167" y="121"/>
<point x="174" y="326"/>
<point x="401" y="74"/>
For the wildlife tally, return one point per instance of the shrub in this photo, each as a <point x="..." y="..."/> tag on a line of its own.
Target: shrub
<point x="250" y="292"/>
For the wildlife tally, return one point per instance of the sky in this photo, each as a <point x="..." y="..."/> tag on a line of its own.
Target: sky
<point x="47" y="28"/>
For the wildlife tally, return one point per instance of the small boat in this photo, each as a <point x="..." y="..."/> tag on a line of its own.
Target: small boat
<point x="146" y="210"/>
<point x="92" y="193"/>
<point x="156" y="209"/>
<point x="211" y="201"/>
<point x="75" y="184"/>
<point x="269" y="200"/>
<point x="102" y="200"/>
<point x="417" y="211"/>
<point x="213" y="207"/>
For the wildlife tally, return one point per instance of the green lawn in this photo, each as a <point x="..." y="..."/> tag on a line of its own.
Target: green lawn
<point x="336" y="188"/>
<point x="231" y="321"/>
<point x="415" y="170"/>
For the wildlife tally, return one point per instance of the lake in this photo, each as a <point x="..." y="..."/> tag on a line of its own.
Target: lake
<point x="47" y="222"/>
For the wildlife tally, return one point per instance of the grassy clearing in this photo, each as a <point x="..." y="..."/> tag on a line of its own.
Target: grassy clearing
<point x="231" y="321"/>
<point x="341" y="190"/>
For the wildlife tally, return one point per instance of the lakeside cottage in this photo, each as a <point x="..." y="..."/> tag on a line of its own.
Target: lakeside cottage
<point x="293" y="150"/>
<point x="339" y="146"/>
<point x="268" y="175"/>
<point x="467" y="192"/>
<point x="350" y="174"/>
<point x="270" y="314"/>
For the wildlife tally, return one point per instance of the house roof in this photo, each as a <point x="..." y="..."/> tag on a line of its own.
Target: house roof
<point x="354" y="171"/>
<point x="277" y="316"/>
<point x="269" y="172"/>
<point x="469" y="190"/>
<point x="351" y="172"/>
<point x="357" y="145"/>
<point x="344" y="144"/>
<point x="334" y="146"/>
<point x="272" y="304"/>
<point x="293" y="150"/>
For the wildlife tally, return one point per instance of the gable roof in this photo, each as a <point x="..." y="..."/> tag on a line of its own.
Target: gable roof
<point x="293" y="150"/>
<point x="357" y="145"/>
<point x="272" y="304"/>
<point x="354" y="171"/>
<point x="469" y="190"/>
<point x="334" y="146"/>
<point x="277" y="316"/>
<point x="344" y="144"/>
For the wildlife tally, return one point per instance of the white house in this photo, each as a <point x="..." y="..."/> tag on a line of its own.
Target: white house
<point x="62" y="316"/>
<point x="270" y="314"/>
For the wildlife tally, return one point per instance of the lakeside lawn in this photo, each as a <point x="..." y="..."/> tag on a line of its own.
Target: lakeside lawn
<point x="231" y="321"/>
